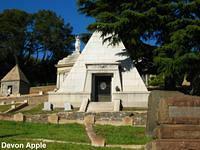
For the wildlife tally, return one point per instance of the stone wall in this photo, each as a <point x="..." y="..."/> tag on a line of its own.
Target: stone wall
<point x="111" y="118"/>
<point x="14" y="84"/>
<point x="32" y="99"/>
<point x="45" y="89"/>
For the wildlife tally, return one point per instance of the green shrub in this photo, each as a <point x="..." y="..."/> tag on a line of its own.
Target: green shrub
<point x="156" y="81"/>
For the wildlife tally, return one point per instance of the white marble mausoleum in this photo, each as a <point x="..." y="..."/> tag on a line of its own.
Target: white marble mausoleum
<point x="100" y="73"/>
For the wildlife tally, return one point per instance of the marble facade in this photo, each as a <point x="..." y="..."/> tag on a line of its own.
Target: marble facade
<point x="104" y="62"/>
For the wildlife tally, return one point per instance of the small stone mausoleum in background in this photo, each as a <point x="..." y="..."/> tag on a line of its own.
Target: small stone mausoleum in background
<point x="14" y="82"/>
<point x="100" y="76"/>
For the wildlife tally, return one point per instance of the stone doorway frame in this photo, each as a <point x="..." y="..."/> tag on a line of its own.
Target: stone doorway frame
<point x="93" y="90"/>
<point x="103" y="68"/>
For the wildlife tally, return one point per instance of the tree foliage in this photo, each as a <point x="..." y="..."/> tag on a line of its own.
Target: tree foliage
<point x="173" y="25"/>
<point x="36" y="41"/>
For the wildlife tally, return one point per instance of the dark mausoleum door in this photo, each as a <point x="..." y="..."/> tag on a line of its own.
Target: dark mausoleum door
<point x="102" y="88"/>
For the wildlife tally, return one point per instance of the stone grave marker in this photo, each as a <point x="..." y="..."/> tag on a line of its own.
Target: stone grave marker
<point x="178" y="124"/>
<point x="48" y="106"/>
<point x="67" y="106"/>
<point x="3" y="103"/>
<point x="18" y="117"/>
<point x="53" y="118"/>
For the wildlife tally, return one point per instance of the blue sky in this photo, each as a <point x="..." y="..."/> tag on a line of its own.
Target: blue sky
<point x="67" y="9"/>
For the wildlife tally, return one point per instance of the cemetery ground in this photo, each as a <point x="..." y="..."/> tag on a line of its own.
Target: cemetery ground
<point x="69" y="136"/>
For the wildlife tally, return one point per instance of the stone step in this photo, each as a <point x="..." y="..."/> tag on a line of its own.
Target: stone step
<point x="174" y="144"/>
<point x="100" y="107"/>
<point x="180" y="131"/>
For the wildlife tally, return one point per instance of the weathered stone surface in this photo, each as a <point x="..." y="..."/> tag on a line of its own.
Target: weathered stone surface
<point x="53" y="118"/>
<point x="153" y="107"/>
<point x="178" y="132"/>
<point x="84" y="105"/>
<point x="178" y="118"/>
<point x="40" y="92"/>
<point x="18" y="117"/>
<point x="13" y="106"/>
<point x="48" y="106"/>
<point x="67" y="106"/>
<point x="16" y="81"/>
<point x="128" y="120"/>
<point x="8" y="117"/>
<point x="179" y="109"/>
<point x="2" y="103"/>
<point x="117" y="104"/>
<point x="89" y="119"/>
<point x="174" y="144"/>
<point x="177" y="112"/>
<point x="96" y="140"/>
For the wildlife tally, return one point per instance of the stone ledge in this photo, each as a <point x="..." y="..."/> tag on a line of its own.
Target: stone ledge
<point x="174" y="144"/>
<point x="178" y="132"/>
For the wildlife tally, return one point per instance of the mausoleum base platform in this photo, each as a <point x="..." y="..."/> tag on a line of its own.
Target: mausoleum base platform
<point x="128" y="99"/>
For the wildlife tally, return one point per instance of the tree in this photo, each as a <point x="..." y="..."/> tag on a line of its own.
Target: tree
<point x="12" y="32"/>
<point x="36" y="41"/>
<point x="172" y="25"/>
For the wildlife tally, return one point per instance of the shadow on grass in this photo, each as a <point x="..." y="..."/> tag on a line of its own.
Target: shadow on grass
<point x="9" y="135"/>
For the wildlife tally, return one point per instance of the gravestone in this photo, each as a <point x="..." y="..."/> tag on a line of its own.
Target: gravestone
<point x="53" y="118"/>
<point x="40" y="92"/>
<point x="13" y="106"/>
<point x="2" y="103"/>
<point x="128" y="120"/>
<point x="18" y="117"/>
<point x="48" y="106"/>
<point x="89" y="119"/>
<point x="178" y="124"/>
<point x="67" y="106"/>
<point x="153" y="107"/>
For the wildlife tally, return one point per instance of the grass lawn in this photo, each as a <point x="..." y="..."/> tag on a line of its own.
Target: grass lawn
<point x="122" y="134"/>
<point x="58" y="146"/>
<point x="38" y="110"/>
<point x="69" y="132"/>
<point x="4" y="108"/>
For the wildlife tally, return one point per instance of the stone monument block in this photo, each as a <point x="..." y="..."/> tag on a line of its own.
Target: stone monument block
<point x="18" y="117"/>
<point x="175" y="144"/>
<point x="180" y="109"/>
<point x="166" y="131"/>
<point x="153" y="107"/>
<point x="178" y="124"/>
<point x="13" y="106"/>
<point x="89" y="119"/>
<point x="3" y="103"/>
<point x="48" y="106"/>
<point x="25" y="101"/>
<point x="67" y="106"/>
<point x="53" y="118"/>
<point x="128" y="121"/>
<point x="40" y="92"/>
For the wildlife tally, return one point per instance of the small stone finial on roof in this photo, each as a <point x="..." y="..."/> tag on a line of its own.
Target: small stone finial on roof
<point x="77" y="44"/>
<point x="15" y="74"/>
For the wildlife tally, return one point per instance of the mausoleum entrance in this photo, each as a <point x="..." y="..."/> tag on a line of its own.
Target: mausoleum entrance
<point x="101" y="87"/>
